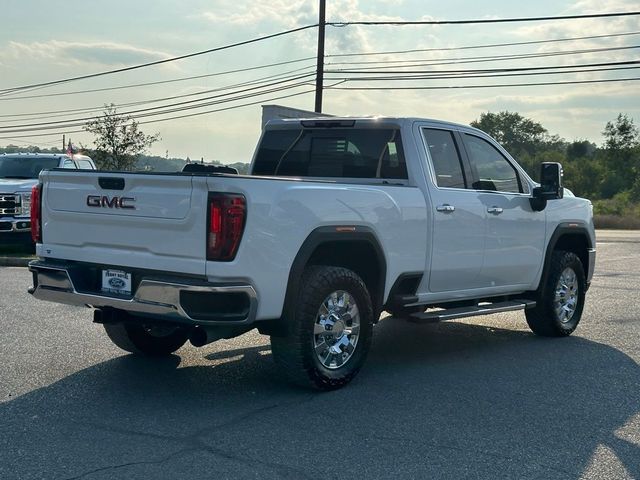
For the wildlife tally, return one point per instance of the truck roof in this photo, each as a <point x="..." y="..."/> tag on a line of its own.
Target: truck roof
<point x="361" y="120"/>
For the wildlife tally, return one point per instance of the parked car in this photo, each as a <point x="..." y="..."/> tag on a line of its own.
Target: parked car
<point x="18" y="174"/>
<point x="340" y="219"/>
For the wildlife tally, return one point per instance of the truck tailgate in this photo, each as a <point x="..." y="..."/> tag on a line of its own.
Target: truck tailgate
<point x="125" y="219"/>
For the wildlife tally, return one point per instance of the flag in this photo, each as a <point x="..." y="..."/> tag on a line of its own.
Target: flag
<point x="69" y="149"/>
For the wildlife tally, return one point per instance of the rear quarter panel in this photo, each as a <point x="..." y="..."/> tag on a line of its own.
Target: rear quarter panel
<point x="282" y="213"/>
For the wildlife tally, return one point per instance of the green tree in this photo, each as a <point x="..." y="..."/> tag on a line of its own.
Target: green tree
<point x="517" y="134"/>
<point x="622" y="157"/>
<point x="119" y="142"/>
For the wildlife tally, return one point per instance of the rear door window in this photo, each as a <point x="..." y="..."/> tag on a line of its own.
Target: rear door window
<point x="445" y="158"/>
<point x="332" y="152"/>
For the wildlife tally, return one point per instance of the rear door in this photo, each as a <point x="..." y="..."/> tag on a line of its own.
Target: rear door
<point x="126" y="219"/>
<point x="458" y="230"/>
<point x="515" y="233"/>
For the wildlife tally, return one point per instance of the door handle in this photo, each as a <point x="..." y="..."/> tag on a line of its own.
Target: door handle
<point x="494" y="210"/>
<point x="446" y="208"/>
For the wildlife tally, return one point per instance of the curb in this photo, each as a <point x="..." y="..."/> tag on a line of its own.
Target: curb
<point x="15" y="261"/>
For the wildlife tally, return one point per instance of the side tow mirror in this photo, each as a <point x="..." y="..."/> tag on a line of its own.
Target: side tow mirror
<point x="550" y="186"/>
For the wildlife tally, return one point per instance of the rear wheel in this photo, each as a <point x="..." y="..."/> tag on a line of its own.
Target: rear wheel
<point x="330" y="333"/>
<point x="561" y="299"/>
<point x="146" y="339"/>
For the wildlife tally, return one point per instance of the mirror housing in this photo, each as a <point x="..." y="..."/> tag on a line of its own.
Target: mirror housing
<point x="550" y="185"/>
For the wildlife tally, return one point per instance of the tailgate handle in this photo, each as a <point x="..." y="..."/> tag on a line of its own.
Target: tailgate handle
<point x="111" y="183"/>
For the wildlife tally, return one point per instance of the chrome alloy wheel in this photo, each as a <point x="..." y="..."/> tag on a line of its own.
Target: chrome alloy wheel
<point x="336" y="330"/>
<point x="566" y="298"/>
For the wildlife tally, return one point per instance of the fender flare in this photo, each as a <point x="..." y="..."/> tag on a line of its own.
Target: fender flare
<point x="565" y="228"/>
<point x="332" y="234"/>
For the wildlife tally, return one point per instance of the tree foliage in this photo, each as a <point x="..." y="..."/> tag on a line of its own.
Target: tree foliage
<point x="517" y="134"/>
<point x="609" y="175"/>
<point x="119" y="142"/>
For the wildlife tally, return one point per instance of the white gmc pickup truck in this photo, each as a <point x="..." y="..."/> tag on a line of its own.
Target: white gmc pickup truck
<point x="340" y="219"/>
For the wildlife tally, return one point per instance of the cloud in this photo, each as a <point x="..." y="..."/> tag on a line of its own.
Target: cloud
<point x="290" y="14"/>
<point x="74" y="53"/>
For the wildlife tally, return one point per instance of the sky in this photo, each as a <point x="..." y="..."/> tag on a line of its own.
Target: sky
<point x="42" y="41"/>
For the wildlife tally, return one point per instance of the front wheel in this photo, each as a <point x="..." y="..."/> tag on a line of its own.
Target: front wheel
<point x="561" y="298"/>
<point x="141" y="339"/>
<point x="330" y="333"/>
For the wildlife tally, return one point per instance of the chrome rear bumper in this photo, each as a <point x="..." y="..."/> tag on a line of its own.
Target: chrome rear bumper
<point x="159" y="299"/>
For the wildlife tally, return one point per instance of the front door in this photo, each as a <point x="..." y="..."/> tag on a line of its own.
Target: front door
<point x="515" y="233"/>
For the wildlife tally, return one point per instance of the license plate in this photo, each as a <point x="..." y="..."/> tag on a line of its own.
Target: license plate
<point x="116" y="281"/>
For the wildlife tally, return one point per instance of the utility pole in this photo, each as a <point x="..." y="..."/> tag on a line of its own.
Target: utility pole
<point x="64" y="147"/>
<point x="320" y="65"/>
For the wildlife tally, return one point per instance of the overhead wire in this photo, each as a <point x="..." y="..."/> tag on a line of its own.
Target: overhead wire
<point x="477" y="59"/>
<point x="488" y="45"/>
<point x="483" y="20"/>
<point x="180" y="106"/>
<point x="271" y="99"/>
<point x="458" y="87"/>
<point x="56" y="113"/>
<point x="160" y="62"/>
<point x="159" y="82"/>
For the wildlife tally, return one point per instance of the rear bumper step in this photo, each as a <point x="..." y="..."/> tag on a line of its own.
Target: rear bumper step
<point x="164" y="300"/>
<point x="474" y="311"/>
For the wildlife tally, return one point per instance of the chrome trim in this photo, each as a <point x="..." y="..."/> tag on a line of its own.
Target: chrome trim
<point x="592" y="264"/>
<point x="153" y="297"/>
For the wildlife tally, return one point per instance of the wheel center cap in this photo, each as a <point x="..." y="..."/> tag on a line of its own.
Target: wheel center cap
<point x="338" y="329"/>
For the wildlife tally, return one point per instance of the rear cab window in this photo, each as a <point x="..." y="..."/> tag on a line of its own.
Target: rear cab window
<point x="364" y="153"/>
<point x="84" y="164"/>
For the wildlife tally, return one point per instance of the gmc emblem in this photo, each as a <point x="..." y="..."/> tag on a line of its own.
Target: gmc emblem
<point x="113" y="202"/>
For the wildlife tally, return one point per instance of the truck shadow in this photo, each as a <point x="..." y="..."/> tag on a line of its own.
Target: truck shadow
<point x="449" y="400"/>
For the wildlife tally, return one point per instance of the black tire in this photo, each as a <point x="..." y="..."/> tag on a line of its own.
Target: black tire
<point x="544" y="319"/>
<point x="151" y="341"/>
<point x="295" y="352"/>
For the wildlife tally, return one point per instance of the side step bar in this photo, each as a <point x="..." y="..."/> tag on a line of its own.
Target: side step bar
<point x="462" y="312"/>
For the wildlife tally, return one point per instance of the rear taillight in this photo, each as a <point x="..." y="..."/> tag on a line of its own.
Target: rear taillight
<point x="36" y="214"/>
<point x="227" y="215"/>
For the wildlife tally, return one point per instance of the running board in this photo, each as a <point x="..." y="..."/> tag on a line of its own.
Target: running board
<point x="462" y="312"/>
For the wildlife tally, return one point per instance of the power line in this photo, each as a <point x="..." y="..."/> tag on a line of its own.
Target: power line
<point x="160" y="82"/>
<point x="503" y="85"/>
<point x="173" y="118"/>
<point x="480" y="75"/>
<point x="489" y="45"/>
<point x="473" y="59"/>
<point x="77" y="122"/>
<point x="259" y="81"/>
<point x="484" y="20"/>
<point x="502" y="70"/>
<point x="159" y="62"/>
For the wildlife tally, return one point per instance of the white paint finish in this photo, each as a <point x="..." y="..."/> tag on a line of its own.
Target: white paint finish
<point x="282" y="213"/>
<point x="514" y="246"/>
<point x="120" y="237"/>
<point x="458" y="241"/>
<point x="154" y="196"/>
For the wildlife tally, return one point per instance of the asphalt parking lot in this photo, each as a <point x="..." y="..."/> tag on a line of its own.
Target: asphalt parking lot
<point x="482" y="398"/>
